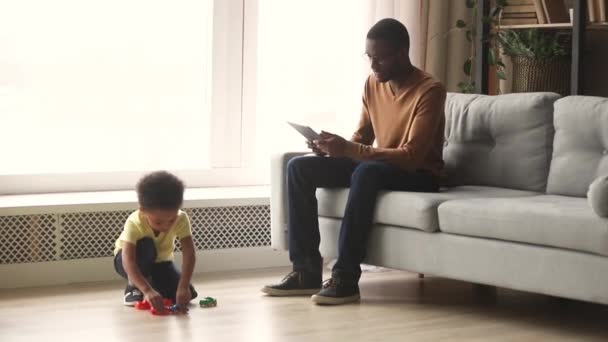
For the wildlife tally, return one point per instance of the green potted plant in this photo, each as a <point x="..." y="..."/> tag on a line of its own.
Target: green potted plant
<point x="541" y="59"/>
<point x="471" y="30"/>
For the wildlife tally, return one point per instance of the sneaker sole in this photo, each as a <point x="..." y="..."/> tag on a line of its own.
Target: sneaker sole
<point x="286" y="293"/>
<point x="322" y="300"/>
<point x="131" y="303"/>
<point x="128" y="303"/>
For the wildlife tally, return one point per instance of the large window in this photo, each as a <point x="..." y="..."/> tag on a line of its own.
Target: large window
<point x="92" y="93"/>
<point x="95" y="93"/>
<point x="311" y="69"/>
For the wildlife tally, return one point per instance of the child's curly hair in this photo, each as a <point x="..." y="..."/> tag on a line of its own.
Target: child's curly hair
<point x="160" y="190"/>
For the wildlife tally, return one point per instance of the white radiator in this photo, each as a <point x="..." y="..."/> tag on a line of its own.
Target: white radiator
<point x="49" y="248"/>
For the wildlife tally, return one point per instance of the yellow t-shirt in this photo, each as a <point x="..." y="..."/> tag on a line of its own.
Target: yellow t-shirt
<point x="137" y="228"/>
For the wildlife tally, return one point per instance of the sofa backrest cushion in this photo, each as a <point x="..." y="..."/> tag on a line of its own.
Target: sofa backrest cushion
<point x="503" y="141"/>
<point x="580" y="149"/>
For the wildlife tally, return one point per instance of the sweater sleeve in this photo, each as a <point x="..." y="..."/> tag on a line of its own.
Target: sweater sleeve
<point x="364" y="134"/>
<point x="426" y="122"/>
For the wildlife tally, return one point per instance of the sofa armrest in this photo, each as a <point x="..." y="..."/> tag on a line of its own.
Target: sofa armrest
<point x="598" y="196"/>
<point x="278" y="198"/>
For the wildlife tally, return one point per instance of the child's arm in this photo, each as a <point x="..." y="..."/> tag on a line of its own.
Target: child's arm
<point x="129" y="263"/>
<point x="183" y="295"/>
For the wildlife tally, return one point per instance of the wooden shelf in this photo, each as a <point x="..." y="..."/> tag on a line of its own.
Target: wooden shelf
<point x="598" y="26"/>
<point x="543" y="26"/>
<point x="591" y="26"/>
<point x="578" y="26"/>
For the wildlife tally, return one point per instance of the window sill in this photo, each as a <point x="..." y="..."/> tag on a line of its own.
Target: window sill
<point x="127" y="200"/>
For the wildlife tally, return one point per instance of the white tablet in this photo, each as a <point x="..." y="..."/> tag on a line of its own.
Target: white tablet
<point x="306" y="131"/>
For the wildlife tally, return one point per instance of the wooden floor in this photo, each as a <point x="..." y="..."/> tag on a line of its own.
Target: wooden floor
<point x="395" y="306"/>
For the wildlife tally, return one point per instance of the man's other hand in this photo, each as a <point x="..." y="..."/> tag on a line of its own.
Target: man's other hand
<point x="315" y="149"/>
<point x="332" y="144"/>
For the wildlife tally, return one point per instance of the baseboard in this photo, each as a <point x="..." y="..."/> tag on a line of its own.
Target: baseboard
<point x="102" y="269"/>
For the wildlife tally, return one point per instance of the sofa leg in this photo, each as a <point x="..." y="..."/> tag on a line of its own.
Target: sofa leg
<point x="485" y="293"/>
<point x="482" y="288"/>
<point x="420" y="275"/>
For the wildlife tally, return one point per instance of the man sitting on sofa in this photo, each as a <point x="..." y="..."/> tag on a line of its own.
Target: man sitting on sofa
<point x="403" y="112"/>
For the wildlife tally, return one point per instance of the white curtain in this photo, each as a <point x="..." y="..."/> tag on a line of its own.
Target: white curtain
<point x="410" y="13"/>
<point x="311" y="68"/>
<point x="437" y="46"/>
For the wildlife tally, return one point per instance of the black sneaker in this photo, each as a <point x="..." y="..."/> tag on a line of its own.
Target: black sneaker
<point x="336" y="291"/>
<point x="193" y="292"/>
<point x="132" y="295"/>
<point x="295" y="284"/>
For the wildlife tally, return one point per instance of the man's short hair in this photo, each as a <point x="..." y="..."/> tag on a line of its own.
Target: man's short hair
<point x="160" y="190"/>
<point x="390" y="30"/>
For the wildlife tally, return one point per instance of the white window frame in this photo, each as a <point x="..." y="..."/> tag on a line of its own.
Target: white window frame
<point x="232" y="109"/>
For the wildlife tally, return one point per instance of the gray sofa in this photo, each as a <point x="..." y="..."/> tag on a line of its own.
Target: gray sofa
<point x="514" y="212"/>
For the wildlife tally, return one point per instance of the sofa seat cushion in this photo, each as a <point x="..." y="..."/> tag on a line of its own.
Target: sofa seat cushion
<point x="547" y="220"/>
<point x="416" y="210"/>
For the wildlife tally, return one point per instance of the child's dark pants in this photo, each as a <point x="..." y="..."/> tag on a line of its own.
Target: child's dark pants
<point x="164" y="277"/>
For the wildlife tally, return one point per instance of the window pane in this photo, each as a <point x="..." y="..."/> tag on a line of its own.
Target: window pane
<point x="310" y="69"/>
<point x="103" y="86"/>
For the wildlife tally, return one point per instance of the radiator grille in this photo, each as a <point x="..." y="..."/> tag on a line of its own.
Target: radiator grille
<point x="28" y="238"/>
<point x="81" y="235"/>
<point x="230" y="227"/>
<point x="90" y="235"/>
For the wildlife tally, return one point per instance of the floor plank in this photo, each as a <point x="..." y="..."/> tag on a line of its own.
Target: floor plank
<point x="395" y="306"/>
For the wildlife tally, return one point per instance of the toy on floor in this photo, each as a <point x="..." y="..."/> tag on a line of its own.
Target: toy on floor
<point x="176" y="308"/>
<point x="142" y="305"/>
<point x="169" y="307"/>
<point x="207" y="302"/>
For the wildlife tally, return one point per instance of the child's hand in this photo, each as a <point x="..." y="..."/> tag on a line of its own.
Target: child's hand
<point x="155" y="299"/>
<point x="183" y="297"/>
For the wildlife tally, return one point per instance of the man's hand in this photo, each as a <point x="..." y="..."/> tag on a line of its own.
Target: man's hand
<point x="183" y="297"/>
<point x="331" y="144"/>
<point x="155" y="299"/>
<point x="315" y="149"/>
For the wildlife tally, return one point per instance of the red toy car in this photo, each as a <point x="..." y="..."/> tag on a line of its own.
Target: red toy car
<point x="167" y="303"/>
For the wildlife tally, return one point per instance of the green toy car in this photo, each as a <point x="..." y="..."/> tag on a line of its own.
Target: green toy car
<point x="207" y="302"/>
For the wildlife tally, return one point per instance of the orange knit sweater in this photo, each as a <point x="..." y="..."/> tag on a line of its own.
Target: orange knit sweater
<point x="408" y="128"/>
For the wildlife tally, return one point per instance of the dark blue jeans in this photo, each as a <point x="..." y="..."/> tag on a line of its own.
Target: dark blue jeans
<point x="365" y="179"/>
<point x="164" y="276"/>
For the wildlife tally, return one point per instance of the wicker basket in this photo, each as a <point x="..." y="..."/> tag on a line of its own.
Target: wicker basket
<point x="541" y="74"/>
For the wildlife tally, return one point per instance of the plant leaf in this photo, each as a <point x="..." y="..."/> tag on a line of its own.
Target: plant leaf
<point x="491" y="57"/>
<point x="469" y="36"/>
<point x="501" y="74"/>
<point x="471" y="3"/>
<point x="460" y="23"/>
<point x="466" y="87"/>
<point x="533" y="43"/>
<point x="496" y="11"/>
<point x="467" y="66"/>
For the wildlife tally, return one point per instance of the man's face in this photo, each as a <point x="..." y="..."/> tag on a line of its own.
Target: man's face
<point x="383" y="58"/>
